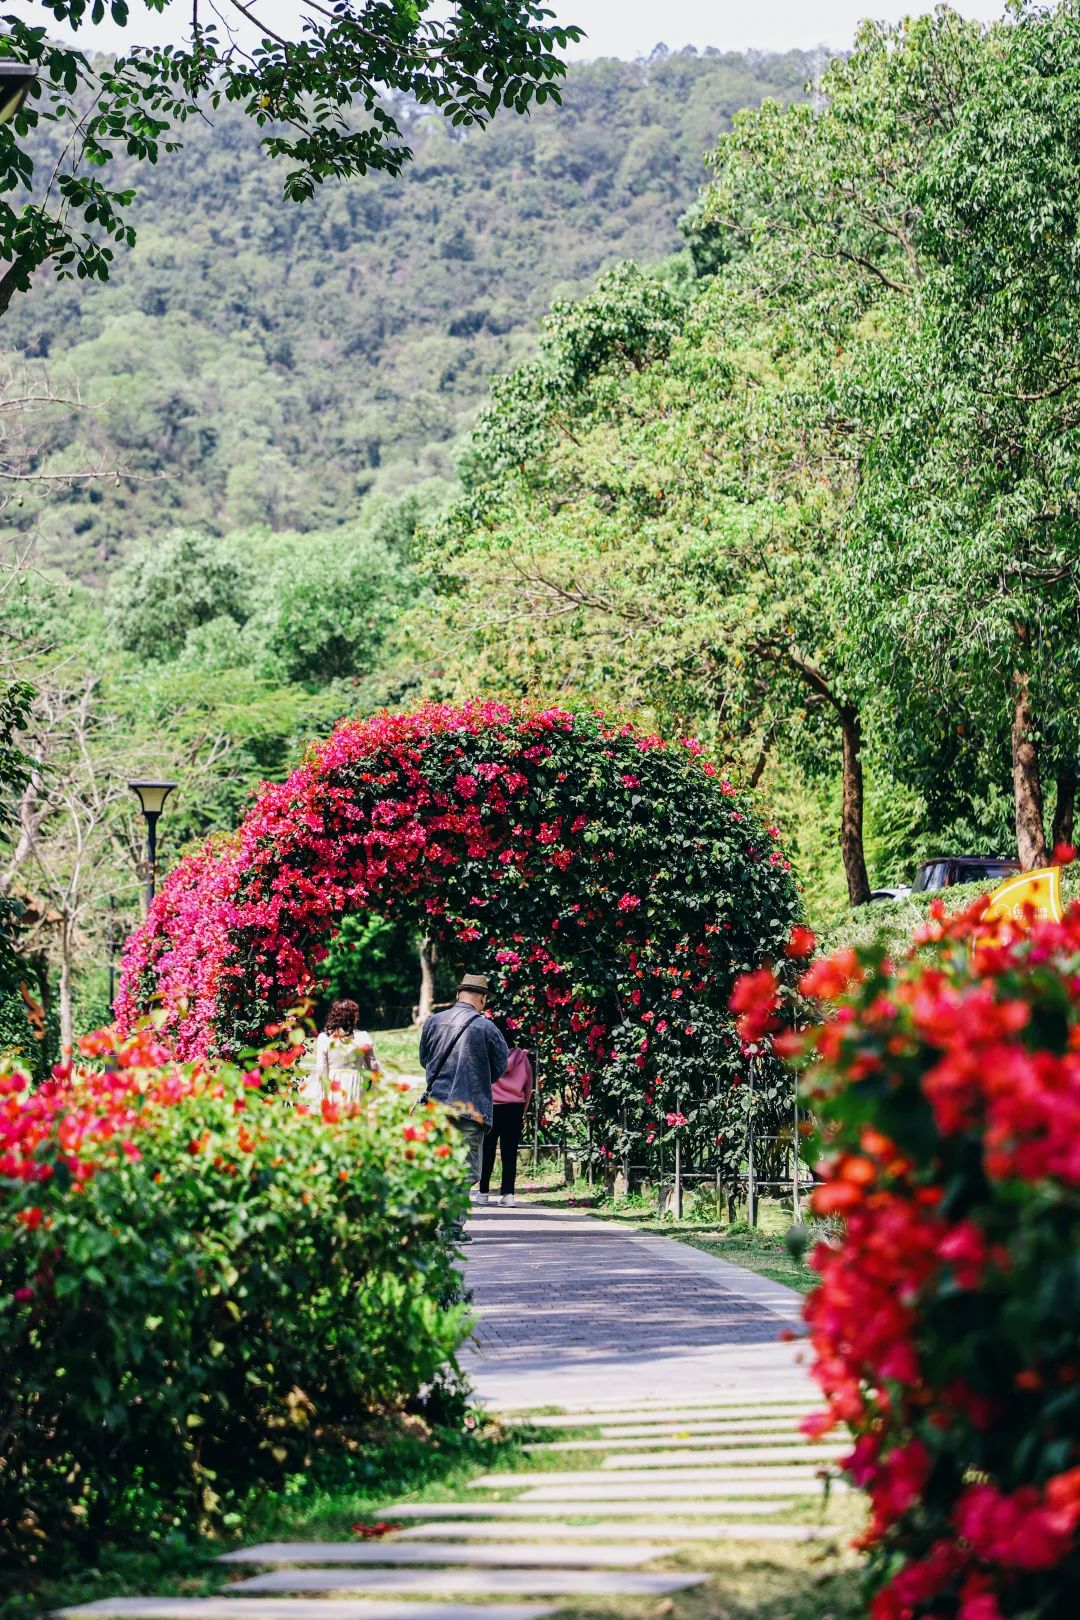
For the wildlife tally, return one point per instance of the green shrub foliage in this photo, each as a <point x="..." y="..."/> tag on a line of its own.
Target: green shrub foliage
<point x="205" y="1287"/>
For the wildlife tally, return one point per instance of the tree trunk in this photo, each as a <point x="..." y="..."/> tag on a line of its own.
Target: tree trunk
<point x="851" y="819"/>
<point x="67" y="1010"/>
<point x="1027" y="789"/>
<point x="427" y="980"/>
<point x="1064" y="805"/>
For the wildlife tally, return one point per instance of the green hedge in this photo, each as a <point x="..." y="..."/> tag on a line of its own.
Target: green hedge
<point x="892" y="922"/>
<point x="203" y="1287"/>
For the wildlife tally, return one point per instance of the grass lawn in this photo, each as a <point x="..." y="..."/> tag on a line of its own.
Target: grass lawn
<point x="762" y="1252"/>
<point x="398" y="1050"/>
<point x="761" y="1249"/>
<point x="749" y="1582"/>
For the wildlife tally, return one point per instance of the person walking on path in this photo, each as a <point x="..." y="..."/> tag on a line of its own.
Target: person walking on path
<point x="344" y="1063"/>
<point x="509" y="1098"/>
<point x="462" y="1055"/>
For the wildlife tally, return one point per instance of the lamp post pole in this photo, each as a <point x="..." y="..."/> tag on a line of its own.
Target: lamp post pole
<point x="151" y="796"/>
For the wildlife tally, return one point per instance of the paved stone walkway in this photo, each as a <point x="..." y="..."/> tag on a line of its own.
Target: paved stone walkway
<point x="573" y="1311"/>
<point x="664" y="1353"/>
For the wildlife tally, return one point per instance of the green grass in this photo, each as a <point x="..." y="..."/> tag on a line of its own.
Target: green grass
<point x="398" y="1050"/>
<point x="762" y="1252"/>
<point x="748" y="1582"/>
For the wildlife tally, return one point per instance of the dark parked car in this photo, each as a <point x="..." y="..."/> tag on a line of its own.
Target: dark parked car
<point x="945" y="870"/>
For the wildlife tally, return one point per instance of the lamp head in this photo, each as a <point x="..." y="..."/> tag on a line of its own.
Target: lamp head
<point x="15" y="81"/>
<point x="152" y="795"/>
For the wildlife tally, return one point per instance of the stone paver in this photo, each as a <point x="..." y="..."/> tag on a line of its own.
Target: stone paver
<point x="651" y="1417"/>
<point x="738" y="1428"/>
<point x="611" y="1479"/>
<point x="752" y="1396"/>
<point x="548" y="1530"/>
<point x="700" y="1457"/>
<point x="574" y="1310"/>
<point x="681" y="1438"/>
<point x="715" y="1530"/>
<point x="224" y="1607"/>
<point x="394" y="1552"/>
<point x="525" y="1509"/>
<point x="806" y="1486"/>
<point x="524" y="1582"/>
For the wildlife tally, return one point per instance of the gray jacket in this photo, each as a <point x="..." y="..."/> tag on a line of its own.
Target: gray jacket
<point x="462" y="1077"/>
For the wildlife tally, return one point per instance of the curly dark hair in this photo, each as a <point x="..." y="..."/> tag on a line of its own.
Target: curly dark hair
<point x="342" y="1018"/>
<point x="502" y="1024"/>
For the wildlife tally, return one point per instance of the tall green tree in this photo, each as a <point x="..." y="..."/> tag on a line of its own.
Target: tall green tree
<point x="922" y="212"/>
<point x="966" y="553"/>
<point x="328" y="96"/>
<point x="639" y="527"/>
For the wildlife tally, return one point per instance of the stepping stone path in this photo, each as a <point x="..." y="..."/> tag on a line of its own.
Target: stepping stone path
<point x="582" y="1315"/>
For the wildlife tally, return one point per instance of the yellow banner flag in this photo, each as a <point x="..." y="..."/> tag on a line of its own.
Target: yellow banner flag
<point x="1028" y="897"/>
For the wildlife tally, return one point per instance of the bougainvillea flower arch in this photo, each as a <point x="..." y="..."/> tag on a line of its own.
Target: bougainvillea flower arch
<point x="613" y="884"/>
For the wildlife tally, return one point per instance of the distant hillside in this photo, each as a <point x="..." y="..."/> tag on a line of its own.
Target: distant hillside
<point x="256" y="361"/>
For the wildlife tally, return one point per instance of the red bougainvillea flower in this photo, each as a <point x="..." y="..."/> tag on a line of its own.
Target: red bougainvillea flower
<point x="947" y="1087"/>
<point x="801" y="943"/>
<point x="755" y="1000"/>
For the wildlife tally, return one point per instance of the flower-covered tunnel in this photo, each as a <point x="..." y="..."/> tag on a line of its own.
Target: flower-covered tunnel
<point x="614" y="885"/>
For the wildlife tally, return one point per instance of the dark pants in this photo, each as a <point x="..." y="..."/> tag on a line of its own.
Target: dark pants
<point x="473" y="1132"/>
<point x="504" y="1133"/>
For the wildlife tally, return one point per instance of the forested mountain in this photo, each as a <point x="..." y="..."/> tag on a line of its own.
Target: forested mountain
<point x="261" y="362"/>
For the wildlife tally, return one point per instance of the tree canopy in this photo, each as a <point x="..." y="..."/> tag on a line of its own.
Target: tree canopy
<point x="839" y="497"/>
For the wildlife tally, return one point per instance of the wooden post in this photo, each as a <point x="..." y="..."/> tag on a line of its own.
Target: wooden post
<point x="751" y="1190"/>
<point x="536" y="1118"/>
<point x="795" y="1207"/>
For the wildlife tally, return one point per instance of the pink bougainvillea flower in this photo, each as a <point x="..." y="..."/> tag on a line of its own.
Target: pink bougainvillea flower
<point x="517" y="838"/>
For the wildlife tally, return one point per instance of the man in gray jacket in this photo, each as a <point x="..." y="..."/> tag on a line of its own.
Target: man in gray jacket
<point x="463" y="1055"/>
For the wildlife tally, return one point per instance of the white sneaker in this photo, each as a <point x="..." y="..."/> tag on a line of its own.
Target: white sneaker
<point x="479" y="1198"/>
<point x="507" y="1198"/>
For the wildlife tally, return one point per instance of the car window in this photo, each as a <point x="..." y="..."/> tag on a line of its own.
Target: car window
<point x="994" y="871"/>
<point x="932" y="875"/>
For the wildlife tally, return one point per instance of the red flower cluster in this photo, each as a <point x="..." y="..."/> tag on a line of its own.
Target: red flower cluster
<point x="944" y="1326"/>
<point x="605" y="879"/>
<point x="89" y="1116"/>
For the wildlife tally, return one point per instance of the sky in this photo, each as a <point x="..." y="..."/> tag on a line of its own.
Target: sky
<point x="626" y="28"/>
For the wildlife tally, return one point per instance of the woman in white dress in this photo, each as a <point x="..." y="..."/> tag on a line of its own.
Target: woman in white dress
<point x="345" y="1063"/>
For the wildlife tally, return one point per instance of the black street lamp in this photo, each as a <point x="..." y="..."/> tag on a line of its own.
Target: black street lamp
<point x="15" y="81"/>
<point x="152" y="796"/>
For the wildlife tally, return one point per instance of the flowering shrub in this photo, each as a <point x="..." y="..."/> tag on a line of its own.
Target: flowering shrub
<point x="613" y="884"/>
<point x="946" y="1325"/>
<point x="203" y="1286"/>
